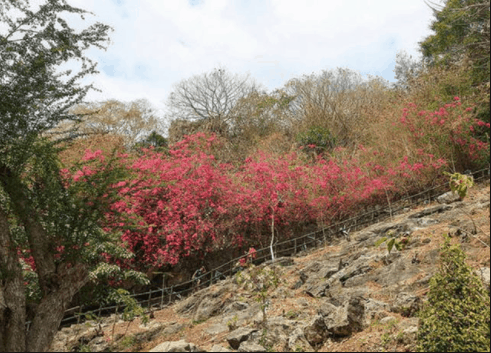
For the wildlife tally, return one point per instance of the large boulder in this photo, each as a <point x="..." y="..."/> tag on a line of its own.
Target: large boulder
<point x="346" y="319"/>
<point x="297" y="342"/>
<point x="316" y="331"/>
<point x="236" y="337"/>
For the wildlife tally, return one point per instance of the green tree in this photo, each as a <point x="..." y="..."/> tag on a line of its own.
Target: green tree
<point x="43" y="221"/>
<point x="461" y="30"/>
<point x="456" y="316"/>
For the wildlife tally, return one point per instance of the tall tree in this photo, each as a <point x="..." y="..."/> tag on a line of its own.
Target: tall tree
<point x="209" y="97"/>
<point x="406" y="69"/>
<point x="45" y="220"/>
<point x="461" y="30"/>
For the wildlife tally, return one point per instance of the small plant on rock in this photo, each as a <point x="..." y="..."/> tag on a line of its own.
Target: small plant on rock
<point x="232" y="323"/>
<point x="456" y="316"/>
<point x="260" y="281"/>
<point x="392" y="242"/>
<point x="460" y="183"/>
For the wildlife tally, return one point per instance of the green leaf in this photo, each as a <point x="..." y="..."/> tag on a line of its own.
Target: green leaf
<point x="380" y="241"/>
<point x="390" y="244"/>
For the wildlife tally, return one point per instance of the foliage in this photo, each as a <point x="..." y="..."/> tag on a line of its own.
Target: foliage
<point x="232" y="323"/>
<point x="451" y="133"/>
<point x="335" y="100"/>
<point x="456" y="316"/>
<point x="154" y="140"/>
<point x="185" y="203"/>
<point x="34" y="96"/>
<point x="317" y="138"/>
<point x="406" y="69"/>
<point x="461" y="28"/>
<point x="460" y="183"/>
<point x="51" y="217"/>
<point x="130" y="121"/>
<point x="131" y="307"/>
<point x="393" y="242"/>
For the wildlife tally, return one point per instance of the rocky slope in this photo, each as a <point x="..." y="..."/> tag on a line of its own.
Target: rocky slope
<point x="349" y="296"/>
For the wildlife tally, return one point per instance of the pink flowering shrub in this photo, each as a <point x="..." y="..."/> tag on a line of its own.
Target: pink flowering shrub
<point x="451" y="133"/>
<point x="187" y="204"/>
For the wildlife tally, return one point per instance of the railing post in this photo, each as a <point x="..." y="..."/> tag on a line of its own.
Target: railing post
<point x="79" y="314"/>
<point x="170" y="296"/>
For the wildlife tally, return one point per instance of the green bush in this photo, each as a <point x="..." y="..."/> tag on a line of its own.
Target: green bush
<point x="318" y="138"/>
<point x="456" y="316"/>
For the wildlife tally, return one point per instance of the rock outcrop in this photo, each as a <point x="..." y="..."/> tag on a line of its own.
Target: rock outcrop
<point x="324" y="297"/>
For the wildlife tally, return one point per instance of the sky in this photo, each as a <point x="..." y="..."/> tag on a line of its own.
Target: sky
<point x="157" y="43"/>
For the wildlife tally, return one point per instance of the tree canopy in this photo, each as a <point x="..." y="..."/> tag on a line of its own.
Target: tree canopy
<point x="50" y="223"/>
<point x="461" y="30"/>
<point x="209" y="96"/>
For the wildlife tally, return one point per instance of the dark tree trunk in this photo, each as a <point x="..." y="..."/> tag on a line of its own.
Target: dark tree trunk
<point x="58" y="284"/>
<point x="12" y="294"/>
<point x="49" y="312"/>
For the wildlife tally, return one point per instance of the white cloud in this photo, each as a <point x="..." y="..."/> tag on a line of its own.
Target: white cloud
<point x="156" y="43"/>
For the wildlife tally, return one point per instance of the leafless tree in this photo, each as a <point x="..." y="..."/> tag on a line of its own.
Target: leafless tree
<point x="209" y="97"/>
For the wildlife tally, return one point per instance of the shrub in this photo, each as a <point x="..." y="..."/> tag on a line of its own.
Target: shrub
<point x="317" y="138"/>
<point x="456" y="316"/>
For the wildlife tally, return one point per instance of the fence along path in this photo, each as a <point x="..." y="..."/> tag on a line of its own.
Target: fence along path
<point x="164" y="296"/>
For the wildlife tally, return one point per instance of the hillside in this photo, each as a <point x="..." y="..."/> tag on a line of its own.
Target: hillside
<point x="348" y="296"/>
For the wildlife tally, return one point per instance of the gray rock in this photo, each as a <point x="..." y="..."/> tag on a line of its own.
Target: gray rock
<point x="316" y="331"/>
<point x="387" y="319"/>
<point x="484" y="275"/>
<point x="176" y="346"/>
<point x="317" y="290"/>
<point x="409" y="335"/>
<point x="208" y="307"/>
<point x="99" y="344"/>
<point x="251" y="347"/>
<point x="281" y="323"/>
<point x="406" y="304"/>
<point x="448" y="197"/>
<point x="236" y="337"/>
<point x="408" y="323"/>
<point x="426" y="222"/>
<point x="327" y="309"/>
<point x="282" y="261"/>
<point x="430" y="210"/>
<point x="348" y="318"/>
<point x="303" y="302"/>
<point x="172" y="329"/>
<point x="236" y="306"/>
<point x="216" y="329"/>
<point x="374" y="310"/>
<point x="297" y="342"/>
<point x="218" y="348"/>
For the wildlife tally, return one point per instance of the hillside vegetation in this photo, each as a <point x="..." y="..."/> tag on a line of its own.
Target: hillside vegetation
<point x="93" y="196"/>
